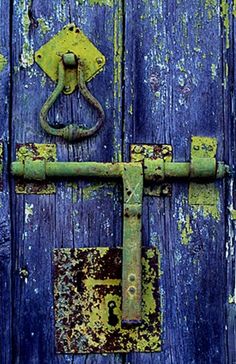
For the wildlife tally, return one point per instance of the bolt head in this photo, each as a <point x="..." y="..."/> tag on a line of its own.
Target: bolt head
<point x="99" y="60"/>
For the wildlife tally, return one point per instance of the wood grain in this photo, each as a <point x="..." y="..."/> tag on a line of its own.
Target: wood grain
<point x="81" y="213"/>
<point x="5" y="223"/>
<point x="177" y="80"/>
<point x="174" y="90"/>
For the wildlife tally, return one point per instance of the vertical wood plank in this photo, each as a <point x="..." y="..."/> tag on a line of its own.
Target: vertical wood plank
<point x="230" y="138"/>
<point x="81" y="213"/>
<point x="5" y="223"/>
<point x="174" y="77"/>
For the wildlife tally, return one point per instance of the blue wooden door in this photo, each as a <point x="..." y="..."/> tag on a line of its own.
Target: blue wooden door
<point x="169" y="75"/>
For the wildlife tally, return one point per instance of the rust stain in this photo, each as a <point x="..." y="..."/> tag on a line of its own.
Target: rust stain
<point x="87" y="292"/>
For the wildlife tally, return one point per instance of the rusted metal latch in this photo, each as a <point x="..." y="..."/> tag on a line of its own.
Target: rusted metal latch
<point x="135" y="176"/>
<point x="71" y="60"/>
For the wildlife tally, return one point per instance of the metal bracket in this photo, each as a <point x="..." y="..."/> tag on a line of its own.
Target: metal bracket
<point x="146" y="167"/>
<point x="204" y="149"/>
<point x="141" y="152"/>
<point x="33" y="152"/>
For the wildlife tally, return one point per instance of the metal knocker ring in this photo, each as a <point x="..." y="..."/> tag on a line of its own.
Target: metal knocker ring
<point x="71" y="132"/>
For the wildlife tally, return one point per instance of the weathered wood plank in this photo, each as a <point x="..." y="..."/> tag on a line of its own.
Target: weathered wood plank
<point x="81" y="213"/>
<point x="230" y="139"/>
<point x="174" y="82"/>
<point x="173" y="74"/>
<point x="5" y="225"/>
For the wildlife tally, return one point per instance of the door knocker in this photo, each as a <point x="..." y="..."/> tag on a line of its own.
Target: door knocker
<point x="71" y="60"/>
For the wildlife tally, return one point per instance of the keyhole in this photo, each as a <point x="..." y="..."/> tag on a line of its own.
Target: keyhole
<point x="112" y="318"/>
<point x="80" y="283"/>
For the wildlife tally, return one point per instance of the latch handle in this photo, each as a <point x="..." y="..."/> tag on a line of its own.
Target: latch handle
<point x="71" y="132"/>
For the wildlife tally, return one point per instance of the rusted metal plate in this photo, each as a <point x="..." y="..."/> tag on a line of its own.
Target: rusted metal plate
<point x="87" y="293"/>
<point x="34" y="151"/>
<point x="139" y="152"/>
<point x="70" y="39"/>
<point x="203" y="194"/>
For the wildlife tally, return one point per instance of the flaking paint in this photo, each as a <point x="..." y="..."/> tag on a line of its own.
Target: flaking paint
<point x="184" y="227"/>
<point x="96" y="2"/>
<point x="225" y="16"/>
<point x="27" y="54"/>
<point x="3" y="62"/>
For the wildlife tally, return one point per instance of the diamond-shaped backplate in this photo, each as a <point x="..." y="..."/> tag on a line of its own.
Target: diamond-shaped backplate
<point x="87" y="298"/>
<point x="70" y="39"/>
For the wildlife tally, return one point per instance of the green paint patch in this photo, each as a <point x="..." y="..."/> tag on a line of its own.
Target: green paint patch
<point x="226" y="74"/>
<point x="28" y="212"/>
<point x="3" y="62"/>
<point x="211" y="7"/>
<point x="234" y="8"/>
<point x="207" y="200"/>
<point x="232" y="299"/>
<point x="91" y="191"/>
<point x="233" y="214"/>
<point x="27" y="55"/>
<point x="213" y="71"/>
<point x="184" y="227"/>
<point x="44" y="26"/>
<point x="109" y="3"/>
<point x="225" y="17"/>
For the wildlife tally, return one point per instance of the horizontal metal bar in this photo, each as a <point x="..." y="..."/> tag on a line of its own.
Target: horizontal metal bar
<point x="40" y="170"/>
<point x="155" y="170"/>
<point x="199" y="168"/>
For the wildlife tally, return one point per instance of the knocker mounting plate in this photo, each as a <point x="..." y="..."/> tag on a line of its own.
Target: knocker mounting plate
<point x="87" y="298"/>
<point x="70" y="39"/>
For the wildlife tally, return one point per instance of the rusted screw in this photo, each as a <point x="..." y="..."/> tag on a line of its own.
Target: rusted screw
<point x="131" y="277"/>
<point x="99" y="60"/>
<point x="132" y="290"/>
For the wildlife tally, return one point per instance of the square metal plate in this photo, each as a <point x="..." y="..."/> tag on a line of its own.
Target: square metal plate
<point x="203" y="193"/>
<point x="87" y="294"/>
